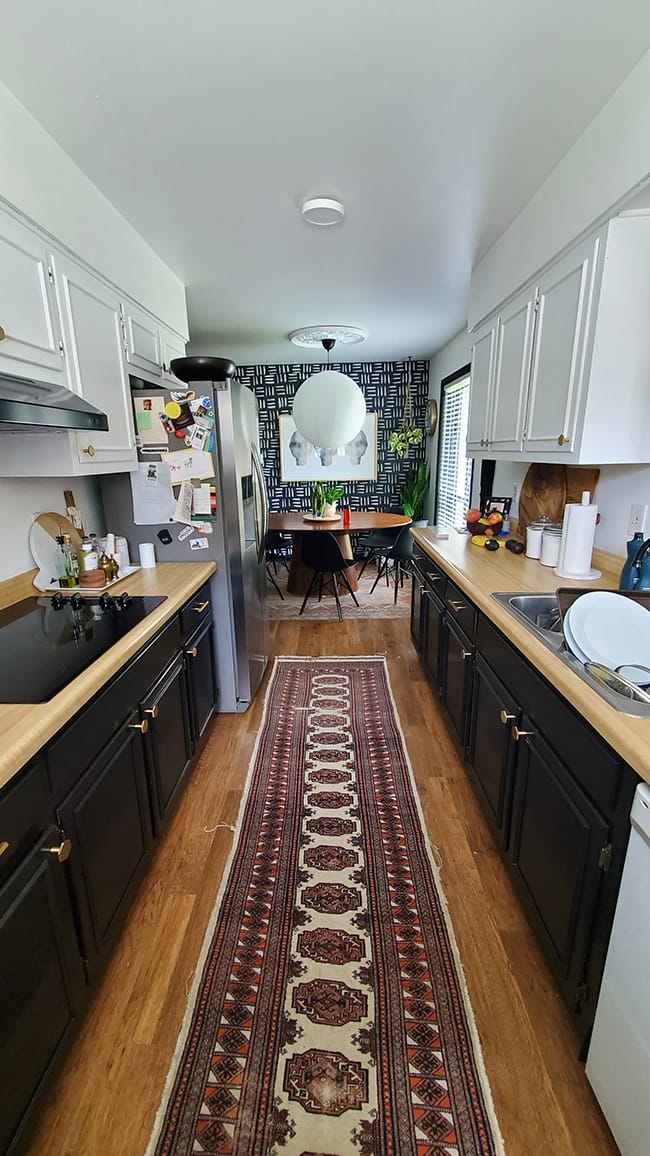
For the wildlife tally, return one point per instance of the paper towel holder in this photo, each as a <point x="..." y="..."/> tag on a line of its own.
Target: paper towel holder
<point x="588" y="574"/>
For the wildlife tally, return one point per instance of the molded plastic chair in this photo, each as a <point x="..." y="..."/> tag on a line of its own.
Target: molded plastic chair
<point x="372" y="546"/>
<point x="396" y="559"/>
<point x="321" y="551"/>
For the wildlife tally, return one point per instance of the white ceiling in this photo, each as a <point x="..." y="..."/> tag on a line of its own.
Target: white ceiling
<point x="207" y="123"/>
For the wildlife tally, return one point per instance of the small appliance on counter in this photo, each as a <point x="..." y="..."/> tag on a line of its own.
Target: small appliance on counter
<point x="635" y="574"/>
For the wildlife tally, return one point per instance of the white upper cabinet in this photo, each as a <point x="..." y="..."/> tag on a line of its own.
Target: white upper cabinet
<point x="172" y="346"/>
<point x="571" y="369"/>
<point x="143" y="352"/>
<point x="32" y="345"/>
<point x="92" y="326"/>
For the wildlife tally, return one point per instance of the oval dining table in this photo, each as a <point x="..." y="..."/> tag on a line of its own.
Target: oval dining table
<point x="361" y="522"/>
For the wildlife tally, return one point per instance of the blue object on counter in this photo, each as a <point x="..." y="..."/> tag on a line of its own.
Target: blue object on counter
<point x="631" y="571"/>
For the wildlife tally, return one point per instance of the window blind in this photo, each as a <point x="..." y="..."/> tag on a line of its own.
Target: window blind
<point x="454" y="485"/>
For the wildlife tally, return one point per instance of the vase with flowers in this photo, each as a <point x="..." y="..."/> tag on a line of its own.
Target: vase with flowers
<point x="324" y="499"/>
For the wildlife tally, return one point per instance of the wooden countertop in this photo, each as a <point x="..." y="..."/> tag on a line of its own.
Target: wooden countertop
<point x="480" y="573"/>
<point x="27" y="727"/>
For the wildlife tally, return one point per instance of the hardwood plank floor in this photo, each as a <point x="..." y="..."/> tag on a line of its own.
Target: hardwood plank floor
<point x="106" y="1098"/>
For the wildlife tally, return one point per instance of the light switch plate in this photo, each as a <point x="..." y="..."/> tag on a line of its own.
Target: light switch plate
<point x="638" y="514"/>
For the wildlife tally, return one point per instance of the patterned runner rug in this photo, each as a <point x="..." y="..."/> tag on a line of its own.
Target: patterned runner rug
<point x="329" y="1015"/>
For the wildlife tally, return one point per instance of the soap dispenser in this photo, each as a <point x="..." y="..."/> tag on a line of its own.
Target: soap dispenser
<point x="643" y="563"/>
<point x="631" y="570"/>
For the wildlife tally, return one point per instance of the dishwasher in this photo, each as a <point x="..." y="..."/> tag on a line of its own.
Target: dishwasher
<point x="618" y="1062"/>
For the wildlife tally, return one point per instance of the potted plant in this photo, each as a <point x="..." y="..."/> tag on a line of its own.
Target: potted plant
<point x="324" y="499"/>
<point x="403" y="438"/>
<point x="414" y="490"/>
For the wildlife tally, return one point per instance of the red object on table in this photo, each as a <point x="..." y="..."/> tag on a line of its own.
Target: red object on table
<point x="346" y="515"/>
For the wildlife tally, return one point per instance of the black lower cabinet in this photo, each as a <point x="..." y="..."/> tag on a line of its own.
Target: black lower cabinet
<point x="42" y="986"/>
<point x="202" y="682"/>
<point x="491" y="747"/>
<point x="417" y="606"/>
<point x="108" y="818"/>
<point x="433" y="614"/>
<point x="557" y="850"/>
<point x="457" y="680"/>
<point x="168" y="739"/>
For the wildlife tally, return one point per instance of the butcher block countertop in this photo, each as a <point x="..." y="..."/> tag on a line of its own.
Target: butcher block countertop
<point x="26" y="728"/>
<point x="480" y="573"/>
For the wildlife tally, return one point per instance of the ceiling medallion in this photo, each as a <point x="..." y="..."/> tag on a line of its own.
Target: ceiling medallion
<point x="312" y="336"/>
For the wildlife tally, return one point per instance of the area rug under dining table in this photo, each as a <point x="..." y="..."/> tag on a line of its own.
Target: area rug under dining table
<point x="329" y="1013"/>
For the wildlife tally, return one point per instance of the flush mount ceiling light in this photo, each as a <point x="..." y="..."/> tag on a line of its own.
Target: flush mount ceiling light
<point x="329" y="408"/>
<point x="313" y="336"/>
<point x="322" y="211"/>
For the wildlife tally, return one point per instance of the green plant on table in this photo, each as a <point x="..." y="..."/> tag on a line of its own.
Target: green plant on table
<point x="333" y="493"/>
<point x="414" y="490"/>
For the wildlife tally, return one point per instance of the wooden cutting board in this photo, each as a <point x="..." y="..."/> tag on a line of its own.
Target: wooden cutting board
<point x="42" y="543"/>
<point x="547" y="488"/>
<point x="579" y="478"/>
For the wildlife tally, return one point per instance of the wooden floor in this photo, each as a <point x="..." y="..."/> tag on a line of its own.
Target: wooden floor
<point x="106" y="1098"/>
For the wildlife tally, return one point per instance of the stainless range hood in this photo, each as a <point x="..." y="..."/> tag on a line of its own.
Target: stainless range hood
<point x="25" y="403"/>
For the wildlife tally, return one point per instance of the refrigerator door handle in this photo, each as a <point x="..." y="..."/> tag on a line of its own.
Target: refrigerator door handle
<point x="260" y="533"/>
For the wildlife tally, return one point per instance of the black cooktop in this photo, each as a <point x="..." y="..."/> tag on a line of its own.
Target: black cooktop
<point x="46" y="642"/>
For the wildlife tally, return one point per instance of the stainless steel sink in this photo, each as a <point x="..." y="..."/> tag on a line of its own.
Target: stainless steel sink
<point x="540" y="614"/>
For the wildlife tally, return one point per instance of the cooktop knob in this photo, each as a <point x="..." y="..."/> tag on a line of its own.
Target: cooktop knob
<point x="124" y="600"/>
<point x="77" y="601"/>
<point x="106" y="601"/>
<point x="58" y="601"/>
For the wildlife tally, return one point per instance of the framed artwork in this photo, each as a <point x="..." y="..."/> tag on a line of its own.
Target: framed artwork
<point x="300" y="461"/>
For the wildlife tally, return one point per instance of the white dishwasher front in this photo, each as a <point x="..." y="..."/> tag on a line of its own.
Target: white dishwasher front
<point x="618" y="1063"/>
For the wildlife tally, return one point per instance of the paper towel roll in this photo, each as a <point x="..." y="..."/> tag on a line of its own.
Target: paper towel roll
<point x="578" y="529"/>
<point x="147" y="555"/>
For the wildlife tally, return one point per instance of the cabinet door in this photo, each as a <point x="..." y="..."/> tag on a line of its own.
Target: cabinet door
<point x="96" y="367"/>
<point x="108" y="818"/>
<point x="171" y="346"/>
<point x="511" y="374"/>
<point x="491" y="748"/>
<point x="564" y="303"/>
<point x="41" y="980"/>
<point x="202" y="682"/>
<point x="457" y="679"/>
<point x="480" y="390"/>
<point x="433" y="638"/>
<point x="142" y="341"/>
<point x="169" y="745"/>
<point x="554" y="850"/>
<point x="28" y="315"/>
<point x="417" y="608"/>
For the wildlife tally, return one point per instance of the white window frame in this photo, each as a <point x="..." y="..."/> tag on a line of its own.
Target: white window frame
<point x="454" y="474"/>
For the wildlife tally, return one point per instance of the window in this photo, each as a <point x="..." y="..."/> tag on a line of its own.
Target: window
<point x="454" y="481"/>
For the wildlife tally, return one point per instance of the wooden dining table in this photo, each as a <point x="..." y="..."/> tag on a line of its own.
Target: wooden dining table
<point x="361" y="522"/>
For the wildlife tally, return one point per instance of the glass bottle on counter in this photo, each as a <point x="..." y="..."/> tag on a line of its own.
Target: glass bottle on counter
<point x="67" y="565"/>
<point x="88" y="555"/>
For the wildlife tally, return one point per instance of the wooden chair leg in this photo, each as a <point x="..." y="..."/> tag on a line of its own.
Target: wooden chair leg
<point x="312" y="584"/>
<point x="339" y="609"/>
<point x="345" y="579"/>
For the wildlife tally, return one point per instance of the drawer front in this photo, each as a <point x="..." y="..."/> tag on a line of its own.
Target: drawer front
<point x="430" y="571"/>
<point x="461" y="609"/>
<point x="25" y="812"/>
<point x="79" y="744"/>
<point x="196" y="611"/>
<point x="593" y="764"/>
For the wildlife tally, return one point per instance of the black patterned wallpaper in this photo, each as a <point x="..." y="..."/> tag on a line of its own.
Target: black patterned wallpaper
<point x="384" y="386"/>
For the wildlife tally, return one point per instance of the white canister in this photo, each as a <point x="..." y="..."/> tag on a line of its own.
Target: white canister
<point x="550" y="547"/>
<point x="147" y="555"/>
<point x="534" y="540"/>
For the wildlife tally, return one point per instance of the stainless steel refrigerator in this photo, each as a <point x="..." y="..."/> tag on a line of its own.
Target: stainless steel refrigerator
<point x="237" y="541"/>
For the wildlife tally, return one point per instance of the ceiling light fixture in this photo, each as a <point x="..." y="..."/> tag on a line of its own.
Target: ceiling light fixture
<point x="329" y="408"/>
<point x="322" y="211"/>
<point x="312" y="336"/>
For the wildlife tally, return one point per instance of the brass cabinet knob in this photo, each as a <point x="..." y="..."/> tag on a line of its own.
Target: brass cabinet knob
<point x="458" y="605"/>
<point x="143" y="726"/>
<point x="90" y="450"/>
<point x="152" y="710"/>
<point x="517" y="734"/>
<point x="62" y="852"/>
<point x="562" y="441"/>
<point x="505" y="717"/>
<point x="193" y="652"/>
<point x="4" y="846"/>
<point x="2" y="334"/>
<point x="201" y="607"/>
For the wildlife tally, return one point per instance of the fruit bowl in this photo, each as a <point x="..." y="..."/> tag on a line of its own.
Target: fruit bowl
<point x="491" y="525"/>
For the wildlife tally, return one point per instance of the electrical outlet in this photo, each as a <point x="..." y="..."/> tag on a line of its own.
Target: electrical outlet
<point x="636" y="523"/>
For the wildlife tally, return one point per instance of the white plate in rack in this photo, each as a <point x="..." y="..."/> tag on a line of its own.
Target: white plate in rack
<point x="612" y="630"/>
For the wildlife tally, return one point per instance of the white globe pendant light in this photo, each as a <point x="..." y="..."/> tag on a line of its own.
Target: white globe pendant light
<point x="329" y="408"/>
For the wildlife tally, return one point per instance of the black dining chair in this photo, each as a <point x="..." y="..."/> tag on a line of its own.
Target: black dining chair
<point x="372" y="547"/>
<point x="396" y="560"/>
<point x="321" y="552"/>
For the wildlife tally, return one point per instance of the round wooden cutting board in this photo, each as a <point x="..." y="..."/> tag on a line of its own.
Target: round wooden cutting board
<point x="42" y="543"/>
<point x="543" y="491"/>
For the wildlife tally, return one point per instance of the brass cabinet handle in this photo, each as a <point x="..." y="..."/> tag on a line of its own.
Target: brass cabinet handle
<point x="466" y="654"/>
<point x="517" y="734"/>
<point x="201" y="607"/>
<point x="193" y="652"/>
<point x="435" y="577"/>
<point x="62" y="852"/>
<point x="457" y="605"/>
<point x="2" y="334"/>
<point x="421" y="588"/>
<point x="143" y="726"/>
<point x="152" y="710"/>
<point x="90" y="450"/>
<point x="4" y="846"/>
<point x="505" y="717"/>
<point x="562" y="441"/>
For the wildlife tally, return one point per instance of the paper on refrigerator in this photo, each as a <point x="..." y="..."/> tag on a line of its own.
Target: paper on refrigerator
<point x="152" y="494"/>
<point x="187" y="464"/>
